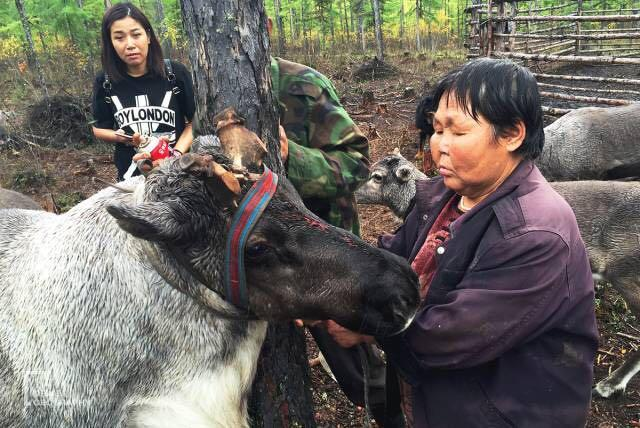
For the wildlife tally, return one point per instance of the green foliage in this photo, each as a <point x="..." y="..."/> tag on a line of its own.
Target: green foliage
<point x="63" y="23"/>
<point x="30" y="179"/>
<point x="66" y="201"/>
<point x="58" y="23"/>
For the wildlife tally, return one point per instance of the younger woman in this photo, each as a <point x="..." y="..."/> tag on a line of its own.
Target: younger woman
<point x="138" y="91"/>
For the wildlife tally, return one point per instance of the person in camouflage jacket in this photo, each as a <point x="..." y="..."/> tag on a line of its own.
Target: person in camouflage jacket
<point x="328" y="158"/>
<point x="328" y="154"/>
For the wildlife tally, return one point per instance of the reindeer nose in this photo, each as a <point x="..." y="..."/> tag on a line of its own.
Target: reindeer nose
<point x="398" y="300"/>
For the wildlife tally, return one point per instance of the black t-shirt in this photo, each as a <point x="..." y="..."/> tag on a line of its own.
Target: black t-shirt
<point x="145" y="104"/>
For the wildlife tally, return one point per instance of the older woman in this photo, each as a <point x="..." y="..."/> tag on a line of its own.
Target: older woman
<point x="506" y="333"/>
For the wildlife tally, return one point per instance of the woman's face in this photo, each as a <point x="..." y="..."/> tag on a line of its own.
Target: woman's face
<point x="131" y="43"/>
<point x="471" y="160"/>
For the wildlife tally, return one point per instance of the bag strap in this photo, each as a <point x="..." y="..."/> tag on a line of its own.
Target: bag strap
<point x="171" y="77"/>
<point x="106" y="85"/>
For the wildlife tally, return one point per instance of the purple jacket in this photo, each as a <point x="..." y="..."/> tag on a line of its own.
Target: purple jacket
<point x="506" y="336"/>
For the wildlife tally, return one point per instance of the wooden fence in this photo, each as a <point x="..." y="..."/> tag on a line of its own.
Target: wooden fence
<point x="544" y="37"/>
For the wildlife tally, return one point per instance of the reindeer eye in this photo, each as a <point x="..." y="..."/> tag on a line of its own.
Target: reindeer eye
<point x="377" y="178"/>
<point x="256" y="250"/>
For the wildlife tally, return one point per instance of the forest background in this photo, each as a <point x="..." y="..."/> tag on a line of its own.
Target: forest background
<point x="50" y="54"/>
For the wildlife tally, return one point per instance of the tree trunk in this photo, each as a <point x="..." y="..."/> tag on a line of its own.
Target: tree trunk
<point x="303" y="19"/>
<point x="32" y="58"/>
<point x="107" y="4"/>
<point x="279" y="27"/>
<point x="429" y="40"/>
<point x="162" y="29"/>
<point x="402" y="24"/>
<point x="346" y="19"/>
<point x="377" y="22"/>
<point x="331" y="25"/>
<point x="229" y="53"/>
<point x="323" y="32"/>
<point x="292" y="23"/>
<point x="351" y="19"/>
<point x="90" y="59"/>
<point x="363" y="39"/>
<point x="42" y="43"/>
<point x="418" y="43"/>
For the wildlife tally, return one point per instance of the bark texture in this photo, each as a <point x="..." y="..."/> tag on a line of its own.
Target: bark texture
<point x="32" y="58"/>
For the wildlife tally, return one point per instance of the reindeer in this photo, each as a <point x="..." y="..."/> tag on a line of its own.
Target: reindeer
<point x="140" y="308"/>
<point x="608" y="216"/>
<point x="11" y="199"/>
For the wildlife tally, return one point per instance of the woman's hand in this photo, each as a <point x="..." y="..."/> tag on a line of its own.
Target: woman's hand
<point x="119" y="136"/>
<point x="345" y="337"/>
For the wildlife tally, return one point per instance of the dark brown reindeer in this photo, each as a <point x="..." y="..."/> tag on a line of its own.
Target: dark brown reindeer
<point x="608" y="215"/>
<point x="116" y="313"/>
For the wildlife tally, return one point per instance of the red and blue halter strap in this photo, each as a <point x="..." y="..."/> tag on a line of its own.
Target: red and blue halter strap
<point x="247" y="215"/>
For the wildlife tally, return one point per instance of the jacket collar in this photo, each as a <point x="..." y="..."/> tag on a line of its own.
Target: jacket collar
<point x="432" y="194"/>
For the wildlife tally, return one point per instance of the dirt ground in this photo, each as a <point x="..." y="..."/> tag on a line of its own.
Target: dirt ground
<point x="60" y="178"/>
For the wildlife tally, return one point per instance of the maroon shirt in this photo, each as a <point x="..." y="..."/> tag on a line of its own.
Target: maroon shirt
<point x="507" y="333"/>
<point x="424" y="264"/>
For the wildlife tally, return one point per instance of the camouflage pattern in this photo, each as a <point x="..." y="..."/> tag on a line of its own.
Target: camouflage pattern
<point x="328" y="154"/>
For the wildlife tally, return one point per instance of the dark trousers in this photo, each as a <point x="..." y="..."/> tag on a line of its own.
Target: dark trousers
<point x="346" y="365"/>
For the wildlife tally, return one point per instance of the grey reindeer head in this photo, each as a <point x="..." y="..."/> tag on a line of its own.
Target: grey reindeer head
<point x="391" y="183"/>
<point x="296" y="265"/>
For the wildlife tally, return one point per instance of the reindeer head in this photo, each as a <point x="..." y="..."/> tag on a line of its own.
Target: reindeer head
<point x="296" y="265"/>
<point x="391" y="183"/>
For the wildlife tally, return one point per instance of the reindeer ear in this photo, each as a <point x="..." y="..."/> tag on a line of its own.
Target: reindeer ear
<point x="221" y="183"/>
<point x="145" y="166"/>
<point x="403" y="173"/>
<point x="151" y="221"/>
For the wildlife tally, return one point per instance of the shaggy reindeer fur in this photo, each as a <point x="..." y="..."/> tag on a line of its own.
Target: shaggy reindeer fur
<point x="112" y="314"/>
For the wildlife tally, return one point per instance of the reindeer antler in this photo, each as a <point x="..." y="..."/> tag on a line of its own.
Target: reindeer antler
<point x="242" y="146"/>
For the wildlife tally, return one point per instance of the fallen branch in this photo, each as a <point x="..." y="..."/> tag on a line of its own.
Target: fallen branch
<point x="628" y="336"/>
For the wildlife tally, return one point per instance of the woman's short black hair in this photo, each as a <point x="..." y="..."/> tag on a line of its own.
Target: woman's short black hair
<point x="503" y="93"/>
<point x="111" y="62"/>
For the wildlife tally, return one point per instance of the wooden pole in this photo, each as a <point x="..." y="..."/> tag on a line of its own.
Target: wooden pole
<point x="570" y="58"/>
<point x="489" y="28"/>
<point x="514" y="13"/>
<point x="555" y="111"/>
<point x="552" y="46"/>
<point x="578" y="27"/>
<point x="600" y="91"/>
<point x="500" y="41"/>
<point x="551" y="29"/>
<point x="573" y="18"/>
<point x="612" y="36"/>
<point x="587" y="78"/>
<point x="611" y="30"/>
<point x="598" y="100"/>
<point x="526" y="42"/>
